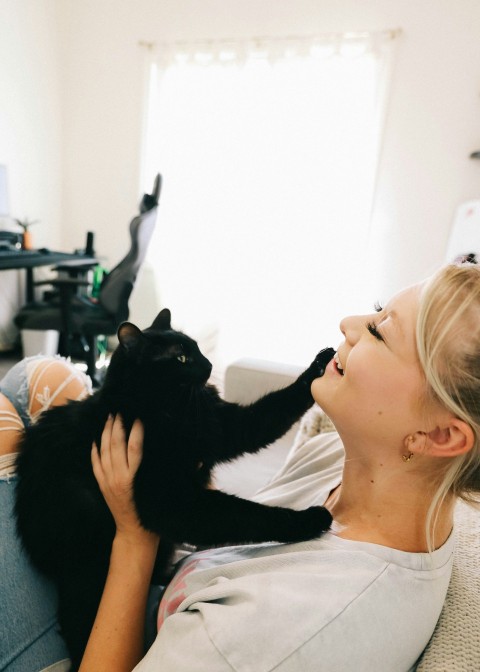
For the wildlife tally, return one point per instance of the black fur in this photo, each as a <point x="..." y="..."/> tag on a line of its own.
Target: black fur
<point x="160" y="376"/>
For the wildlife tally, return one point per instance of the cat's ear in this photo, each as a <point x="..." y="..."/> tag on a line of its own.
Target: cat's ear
<point x="163" y="321"/>
<point x="128" y="335"/>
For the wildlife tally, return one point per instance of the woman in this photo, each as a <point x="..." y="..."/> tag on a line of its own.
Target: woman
<point x="29" y="633"/>
<point x="404" y="394"/>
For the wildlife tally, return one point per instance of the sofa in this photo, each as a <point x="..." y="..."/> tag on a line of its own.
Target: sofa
<point x="455" y="644"/>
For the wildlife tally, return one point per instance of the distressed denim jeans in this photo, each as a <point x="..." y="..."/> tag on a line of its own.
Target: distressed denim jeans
<point x="30" y="640"/>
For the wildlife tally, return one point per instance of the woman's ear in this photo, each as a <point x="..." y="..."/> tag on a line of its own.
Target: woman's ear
<point x="456" y="438"/>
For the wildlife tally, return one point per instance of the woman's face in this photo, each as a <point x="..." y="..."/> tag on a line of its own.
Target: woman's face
<point x="378" y="396"/>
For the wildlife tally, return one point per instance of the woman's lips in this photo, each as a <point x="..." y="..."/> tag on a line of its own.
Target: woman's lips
<point x="332" y="368"/>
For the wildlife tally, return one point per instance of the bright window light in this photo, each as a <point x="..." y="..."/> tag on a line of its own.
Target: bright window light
<point x="269" y="169"/>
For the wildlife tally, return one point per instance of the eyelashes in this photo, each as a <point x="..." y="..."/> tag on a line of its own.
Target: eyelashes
<point x="372" y="328"/>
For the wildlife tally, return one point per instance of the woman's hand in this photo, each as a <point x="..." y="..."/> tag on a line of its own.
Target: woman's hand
<point x="116" y="640"/>
<point x="115" y="466"/>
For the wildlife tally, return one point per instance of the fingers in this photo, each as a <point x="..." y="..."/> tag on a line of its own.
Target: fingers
<point x="96" y="464"/>
<point x="135" y="446"/>
<point x="118" y="447"/>
<point x="117" y="456"/>
<point x="101" y="460"/>
<point x="105" y="443"/>
<point x="114" y="467"/>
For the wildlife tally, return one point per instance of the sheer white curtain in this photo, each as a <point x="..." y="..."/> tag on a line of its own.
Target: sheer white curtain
<point x="269" y="153"/>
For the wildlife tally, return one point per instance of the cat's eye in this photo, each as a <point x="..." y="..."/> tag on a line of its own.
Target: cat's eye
<point x="182" y="358"/>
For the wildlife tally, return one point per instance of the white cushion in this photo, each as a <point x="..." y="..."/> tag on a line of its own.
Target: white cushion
<point x="455" y="644"/>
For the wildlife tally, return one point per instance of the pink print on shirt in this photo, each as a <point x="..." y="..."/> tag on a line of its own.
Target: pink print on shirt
<point x="175" y="593"/>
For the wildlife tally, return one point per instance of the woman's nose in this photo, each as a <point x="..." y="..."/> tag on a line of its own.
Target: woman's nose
<point x="350" y="328"/>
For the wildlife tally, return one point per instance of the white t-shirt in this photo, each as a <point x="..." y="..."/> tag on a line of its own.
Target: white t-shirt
<point x="329" y="604"/>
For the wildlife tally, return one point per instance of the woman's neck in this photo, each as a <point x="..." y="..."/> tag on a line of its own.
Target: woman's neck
<point x="386" y="504"/>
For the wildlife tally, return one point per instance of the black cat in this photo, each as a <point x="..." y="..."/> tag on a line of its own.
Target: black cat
<point x="160" y="376"/>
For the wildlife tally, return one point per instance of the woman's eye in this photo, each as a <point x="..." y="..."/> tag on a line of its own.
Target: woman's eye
<point x="182" y="358"/>
<point x="372" y="328"/>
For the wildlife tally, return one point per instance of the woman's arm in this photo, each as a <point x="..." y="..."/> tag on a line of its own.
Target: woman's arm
<point x="116" y="640"/>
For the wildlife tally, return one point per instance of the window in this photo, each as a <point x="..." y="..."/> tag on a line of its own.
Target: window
<point x="269" y="153"/>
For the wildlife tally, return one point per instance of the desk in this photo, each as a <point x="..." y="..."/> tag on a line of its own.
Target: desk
<point x="30" y="259"/>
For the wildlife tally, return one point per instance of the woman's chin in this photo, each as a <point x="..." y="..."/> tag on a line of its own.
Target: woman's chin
<point x="319" y="390"/>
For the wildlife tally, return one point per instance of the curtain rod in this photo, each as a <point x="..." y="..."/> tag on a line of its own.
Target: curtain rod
<point x="390" y="33"/>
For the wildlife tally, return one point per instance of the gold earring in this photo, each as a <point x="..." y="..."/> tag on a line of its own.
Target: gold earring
<point x="409" y="439"/>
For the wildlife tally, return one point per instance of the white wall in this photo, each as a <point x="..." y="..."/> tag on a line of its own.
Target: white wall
<point x="30" y="114"/>
<point x="432" y="127"/>
<point x="432" y="124"/>
<point x="30" y="134"/>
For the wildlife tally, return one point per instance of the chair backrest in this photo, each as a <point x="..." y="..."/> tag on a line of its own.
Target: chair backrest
<point x="119" y="283"/>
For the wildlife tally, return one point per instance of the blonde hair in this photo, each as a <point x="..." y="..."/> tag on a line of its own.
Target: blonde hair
<point x="448" y="342"/>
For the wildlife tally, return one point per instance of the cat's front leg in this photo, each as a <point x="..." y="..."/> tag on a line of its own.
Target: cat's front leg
<point x="214" y="517"/>
<point x="246" y="429"/>
<point x="316" y="368"/>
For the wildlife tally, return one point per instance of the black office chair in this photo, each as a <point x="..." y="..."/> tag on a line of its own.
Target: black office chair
<point x="80" y="318"/>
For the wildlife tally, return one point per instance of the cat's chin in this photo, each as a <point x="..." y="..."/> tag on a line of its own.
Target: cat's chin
<point x="193" y="384"/>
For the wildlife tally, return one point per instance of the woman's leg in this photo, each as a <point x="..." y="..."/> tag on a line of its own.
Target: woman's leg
<point x="29" y="635"/>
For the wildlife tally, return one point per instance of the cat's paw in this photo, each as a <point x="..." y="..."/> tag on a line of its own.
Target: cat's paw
<point x="317" y="367"/>
<point x="309" y="523"/>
